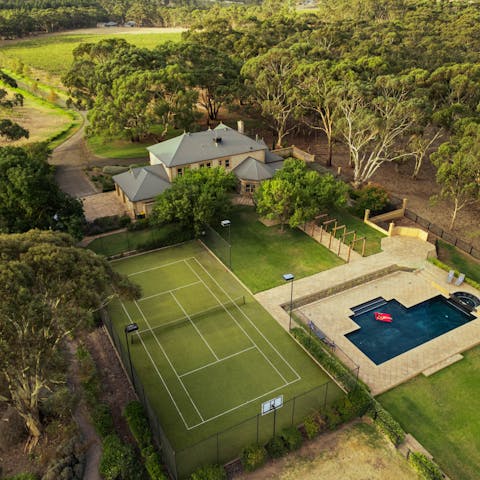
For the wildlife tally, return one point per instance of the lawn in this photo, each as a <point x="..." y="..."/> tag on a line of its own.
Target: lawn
<point x="260" y="254"/>
<point x="459" y="261"/>
<point x="238" y="356"/>
<point x="37" y="53"/>
<point x="45" y="121"/>
<point x="126" y="241"/>
<point x="121" y="148"/>
<point x="442" y="412"/>
<point x="373" y="236"/>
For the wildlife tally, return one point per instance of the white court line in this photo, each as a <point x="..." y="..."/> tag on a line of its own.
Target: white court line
<point x="167" y="291"/>
<point x="242" y="405"/>
<point x="245" y="315"/>
<point x="170" y="363"/>
<point x="156" y="369"/>
<point x="239" y="326"/>
<point x="219" y="361"/>
<point x="194" y="326"/>
<point x="156" y="268"/>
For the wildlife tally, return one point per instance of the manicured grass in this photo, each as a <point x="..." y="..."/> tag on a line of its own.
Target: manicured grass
<point x="210" y="373"/>
<point x="37" y="53"/>
<point x="373" y="237"/>
<point x="126" y="241"/>
<point x="442" y="412"/>
<point x="121" y="148"/>
<point x="44" y="120"/>
<point x="260" y="254"/>
<point x="459" y="261"/>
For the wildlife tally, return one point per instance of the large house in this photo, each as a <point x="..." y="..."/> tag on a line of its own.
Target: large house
<point x="250" y="160"/>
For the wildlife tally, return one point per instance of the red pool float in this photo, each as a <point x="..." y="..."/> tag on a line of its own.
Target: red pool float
<point x="383" y="317"/>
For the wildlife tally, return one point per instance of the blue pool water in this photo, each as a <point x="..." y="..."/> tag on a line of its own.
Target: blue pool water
<point x="410" y="326"/>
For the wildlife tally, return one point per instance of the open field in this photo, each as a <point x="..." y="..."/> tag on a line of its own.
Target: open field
<point x="44" y="120"/>
<point x="356" y="451"/>
<point x="442" y="412"/>
<point x="208" y="359"/>
<point x="37" y="53"/>
<point x="260" y="254"/>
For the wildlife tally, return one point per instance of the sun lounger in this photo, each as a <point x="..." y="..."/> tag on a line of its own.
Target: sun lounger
<point x="460" y="280"/>
<point x="450" y="276"/>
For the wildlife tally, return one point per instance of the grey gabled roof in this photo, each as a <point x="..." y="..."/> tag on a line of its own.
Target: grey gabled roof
<point x="143" y="183"/>
<point x="252" y="169"/>
<point x="201" y="146"/>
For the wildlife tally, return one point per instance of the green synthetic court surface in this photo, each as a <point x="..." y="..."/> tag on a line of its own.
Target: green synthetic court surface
<point x="207" y="354"/>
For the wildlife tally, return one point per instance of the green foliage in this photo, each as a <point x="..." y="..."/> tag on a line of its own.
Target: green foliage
<point x="427" y="468"/>
<point x="197" y="197"/>
<point x="102" y="419"/>
<point x="292" y="438"/>
<point x="372" y="197"/>
<point x="69" y="462"/>
<point x="30" y="197"/>
<point x="107" y="224"/>
<point x="11" y="130"/>
<point x="311" y="425"/>
<point x="137" y="421"/>
<point x="253" y="457"/>
<point x="173" y="237"/>
<point x="153" y="464"/>
<point x="140" y="224"/>
<point x="295" y="194"/>
<point x="387" y="423"/>
<point x="119" y="461"/>
<point x="59" y="404"/>
<point x="209" y="472"/>
<point x="332" y="417"/>
<point x="276" y="447"/>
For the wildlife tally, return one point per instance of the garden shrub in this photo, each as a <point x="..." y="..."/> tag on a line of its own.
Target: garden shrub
<point x="153" y="464"/>
<point x="102" y="420"/>
<point x="58" y="404"/>
<point x="69" y="462"/>
<point x="253" y="457"/>
<point x="119" y="461"/>
<point x="311" y="425"/>
<point x="276" y="447"/>
<point x="107" y="224"/>
<point x="387" y="423"/>
<point x="332" y="418"/>
<point x="372" y="197"/>
<point x="428" y="469"/>
<point x="292" y="438"/>
<point x="209" y="472"/>
<point x="140" y="224"/>
<point x="138" y="424"/>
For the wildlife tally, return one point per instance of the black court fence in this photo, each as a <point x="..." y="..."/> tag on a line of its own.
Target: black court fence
<point x="218" y="244"/>
<point x="226" y="445"/>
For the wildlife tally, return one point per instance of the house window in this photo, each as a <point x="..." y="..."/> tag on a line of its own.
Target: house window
<point x="219" y="163"/>
<point x="201" y="165"/>
<point x="250" y="188"/>
<point x="179" y="172"/>
<point x="209" y="164"/>
<point x="227" y="163"/>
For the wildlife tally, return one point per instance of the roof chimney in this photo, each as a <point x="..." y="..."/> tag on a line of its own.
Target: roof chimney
<point x="240" y="126"/>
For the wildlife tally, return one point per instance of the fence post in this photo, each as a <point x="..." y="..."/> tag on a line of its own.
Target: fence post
<point x="293" y="409"/>
<point x="258" y="420"/>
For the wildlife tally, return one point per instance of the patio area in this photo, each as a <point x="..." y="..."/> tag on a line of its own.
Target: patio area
<point x="332" y="313"/>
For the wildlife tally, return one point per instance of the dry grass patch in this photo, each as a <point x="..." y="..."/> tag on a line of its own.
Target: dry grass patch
<point x="41" y="120"/>
<point x="355" y="451"/>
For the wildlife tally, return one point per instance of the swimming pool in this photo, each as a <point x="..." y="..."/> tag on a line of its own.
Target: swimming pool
<point x="410" y="327"/>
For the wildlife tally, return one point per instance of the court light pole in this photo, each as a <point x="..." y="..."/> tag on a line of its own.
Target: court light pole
<point x="130" y="328"/>
<point x="289" y="277"/>
<point x="225" y="224"/>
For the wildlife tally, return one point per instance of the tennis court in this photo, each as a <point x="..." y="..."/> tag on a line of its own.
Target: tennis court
<point x="206" y="352"/>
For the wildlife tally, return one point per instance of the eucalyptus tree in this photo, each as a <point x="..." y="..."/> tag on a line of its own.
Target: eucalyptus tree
<point x="49" y="290"/>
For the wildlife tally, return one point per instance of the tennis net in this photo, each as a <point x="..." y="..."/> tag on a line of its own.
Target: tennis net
<point x="179" y="322"/>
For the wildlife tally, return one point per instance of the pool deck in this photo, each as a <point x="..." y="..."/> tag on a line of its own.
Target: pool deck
<point x="331" y="314"/>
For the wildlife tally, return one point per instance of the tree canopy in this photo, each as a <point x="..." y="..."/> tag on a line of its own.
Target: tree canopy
<point x="296" y="194"/>
<point x="195" y="198"/>
<point x="49" y="289"/>
<point x="30" y="197"/>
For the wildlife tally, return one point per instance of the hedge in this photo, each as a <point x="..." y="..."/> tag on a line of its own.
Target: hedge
<point x="253" y="457"/>
<point x="119" y="461"/>
<point x="137" y="421"/>
<point x="428" y="469"/>
<point x="209" y="472"/>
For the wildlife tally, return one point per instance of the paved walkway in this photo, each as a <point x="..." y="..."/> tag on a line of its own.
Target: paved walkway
<point x="331" y="314"/>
